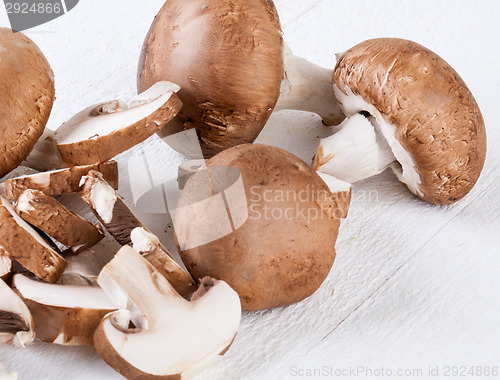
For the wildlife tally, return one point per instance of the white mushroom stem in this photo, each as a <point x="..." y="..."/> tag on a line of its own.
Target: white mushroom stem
<point x="308" y="87"/>
<point x="357" y="151"/>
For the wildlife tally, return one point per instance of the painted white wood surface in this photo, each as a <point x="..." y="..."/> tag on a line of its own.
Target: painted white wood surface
<point x="413" y="285"/>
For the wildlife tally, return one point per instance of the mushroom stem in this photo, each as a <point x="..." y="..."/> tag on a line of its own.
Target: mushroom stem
<point x="357" y="151"/>
<point x="308" y="87"/>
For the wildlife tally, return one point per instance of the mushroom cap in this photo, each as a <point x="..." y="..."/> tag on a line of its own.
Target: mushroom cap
<point x="279" y="256"/>
<point x="435" y="116"/>
<point x="26" y="97"/>
<point x="228" y="59"/>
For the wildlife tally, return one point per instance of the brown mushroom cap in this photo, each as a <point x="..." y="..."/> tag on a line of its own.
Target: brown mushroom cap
<point x="272" y="260"/>
<point x="228" y="59"/>
<point x="436" y="117"/>
<point x="26" y="97"/>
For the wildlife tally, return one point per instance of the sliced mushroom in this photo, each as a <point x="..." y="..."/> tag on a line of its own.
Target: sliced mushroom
<point x="26" y="246"/>
<point x="61" y="224"/>
<point x="233" y="69"/>
<point x="173" y="338"/>
<point x="64" y="314"/>
<point x="120" y="221"/>
<point x="410" y="110"/>
<point x="26" y="97"/>
<point x="16" y="322"/>
<point x="61" y="181"/>
<point x="150" y="247"/>
<point x="101" y="132"/>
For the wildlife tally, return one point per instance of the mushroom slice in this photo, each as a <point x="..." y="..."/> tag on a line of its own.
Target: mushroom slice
<point x="16" y="322"/>
<point x="26" y="246"/>
<point x="61" y="181"/>
<point x="410" y="110"/>
<point x="229" y="106"/>
<point x="64" y="314"/>
<point x="162" y="344"/>
<point x="61" y="224"/>
<point x="103" y="131"/>
<point x="120" y="221"/>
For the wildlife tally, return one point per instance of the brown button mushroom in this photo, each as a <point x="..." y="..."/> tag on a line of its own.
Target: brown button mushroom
<point x="233" y="69"/>
<point x="64" y="314"/>
<point x="61" y="224"/>
<point x="279" y="241"/>
<point x="410" y="110"/>
<point x="57" y="182"/>
<point x="26" y="97"/>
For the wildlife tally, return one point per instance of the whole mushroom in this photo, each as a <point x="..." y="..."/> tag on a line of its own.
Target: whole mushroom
<point x="233" y="68"/>
<point x="263" y="221"/>
<point x="27" y="94"/>
<point x="410" y="110"/>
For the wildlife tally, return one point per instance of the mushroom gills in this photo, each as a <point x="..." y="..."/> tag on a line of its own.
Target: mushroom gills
<point x="172" y="336"/>
<point x="308" y="87"/>
<point x="365" y="147"/>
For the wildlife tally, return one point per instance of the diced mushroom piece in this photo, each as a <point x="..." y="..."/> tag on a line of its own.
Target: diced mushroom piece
<point x="64" y="314"/>
<point x="120" y="221"/>
<point x="61" y="181"/>
<point x="16" y="322"/>
<point x="103" y="131"/>
<point x="161" y="345"/>
<point x="63" y="225"/>
<point x="26" y="246"/>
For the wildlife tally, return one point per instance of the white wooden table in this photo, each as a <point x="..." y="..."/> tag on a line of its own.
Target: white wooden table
<point x="414" y="286"/>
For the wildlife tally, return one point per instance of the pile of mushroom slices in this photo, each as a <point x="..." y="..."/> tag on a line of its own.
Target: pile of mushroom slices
<point x="61" y="278"/>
